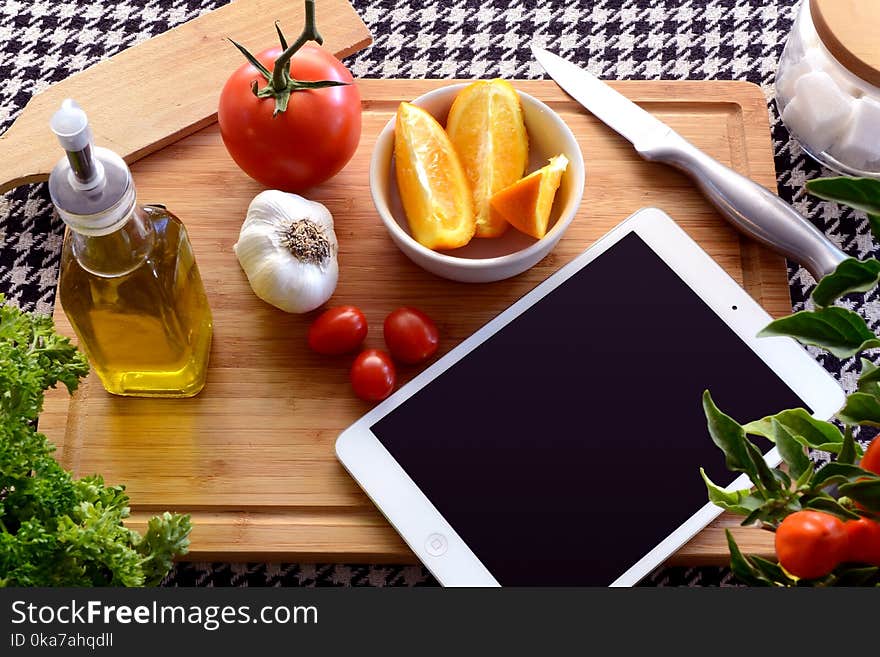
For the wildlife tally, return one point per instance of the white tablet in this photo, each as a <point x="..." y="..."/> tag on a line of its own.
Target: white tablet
<point x="561" y="443"/>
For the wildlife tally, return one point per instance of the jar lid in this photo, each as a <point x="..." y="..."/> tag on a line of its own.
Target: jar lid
<point x="850" y="29"/>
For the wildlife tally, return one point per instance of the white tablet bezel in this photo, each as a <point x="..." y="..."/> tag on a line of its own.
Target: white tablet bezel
<point x="428" y="533"/>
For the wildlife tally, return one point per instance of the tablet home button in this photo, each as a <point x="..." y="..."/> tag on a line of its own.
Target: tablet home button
<point x="436" y="545"/>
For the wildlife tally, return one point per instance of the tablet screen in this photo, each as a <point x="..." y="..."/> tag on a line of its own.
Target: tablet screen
<point x="568" y="445"/>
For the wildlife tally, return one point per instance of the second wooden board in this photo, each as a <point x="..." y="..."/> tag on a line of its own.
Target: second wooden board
<point x="252" y="456"/>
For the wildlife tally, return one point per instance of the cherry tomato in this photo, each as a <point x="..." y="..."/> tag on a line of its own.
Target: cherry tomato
<point x="411" y="335"/>
<point x="863" y="541"/>
<point x="871" y="460"/>
<point x="307" y="143"/>
<point x="810" y="544"/>
<point x="338" y="331"/>
<point x="372" y="375"/>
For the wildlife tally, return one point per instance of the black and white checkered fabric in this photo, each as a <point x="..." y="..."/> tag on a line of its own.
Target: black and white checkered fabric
<point x="43" y="41"/>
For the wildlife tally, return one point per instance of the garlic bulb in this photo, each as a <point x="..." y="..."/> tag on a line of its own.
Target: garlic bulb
<point x="288" y="249"/>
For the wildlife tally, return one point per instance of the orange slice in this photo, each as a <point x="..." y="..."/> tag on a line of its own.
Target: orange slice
<point x="526" y="203"/>
<point x="433" y="188"/>
<point x="486" y="127"/>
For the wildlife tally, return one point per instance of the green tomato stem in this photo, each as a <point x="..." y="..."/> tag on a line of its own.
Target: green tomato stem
<point x="280" y="78"/>
<point x="280" y="84"/>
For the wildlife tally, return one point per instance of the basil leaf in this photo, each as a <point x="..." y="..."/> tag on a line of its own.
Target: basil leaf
<point x="791" y="451"/>
<point x="850" y="276"/>
<point x="836" y="473"/>
<point x="839" y="331"/>
<point x="861" y="408"/>
<point x="803" y="427"/>
<point x="742" y="568"/>
<point x="740" y="502"/>
<point x="859" y="193"/>
<point x="866" y="492"/>
<point x="729" y="436"/>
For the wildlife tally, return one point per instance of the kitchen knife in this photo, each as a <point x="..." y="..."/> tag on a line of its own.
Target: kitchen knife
<point x="750" y="207"/>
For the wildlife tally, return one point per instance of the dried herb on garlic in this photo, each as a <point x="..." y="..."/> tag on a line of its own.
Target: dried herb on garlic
<point x="287" y="248"/>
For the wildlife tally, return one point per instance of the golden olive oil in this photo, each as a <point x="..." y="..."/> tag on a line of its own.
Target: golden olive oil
<point x="137" y="304"/>
<point x="129" y="283"/>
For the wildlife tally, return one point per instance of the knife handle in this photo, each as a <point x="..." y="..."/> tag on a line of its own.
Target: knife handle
<point x="750" y="207"/>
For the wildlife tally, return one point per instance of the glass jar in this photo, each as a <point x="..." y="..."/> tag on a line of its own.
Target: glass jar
<point x="129" y="283"/>
<point x="828" y="84"/>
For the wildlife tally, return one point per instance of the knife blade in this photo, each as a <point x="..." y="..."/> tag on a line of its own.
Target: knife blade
<point x="747" y="205"/>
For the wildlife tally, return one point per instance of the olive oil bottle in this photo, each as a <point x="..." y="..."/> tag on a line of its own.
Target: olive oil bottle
<point x="129" y="283"/>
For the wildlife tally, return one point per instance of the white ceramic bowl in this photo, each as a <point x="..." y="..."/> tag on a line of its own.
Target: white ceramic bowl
<point x="484" y="260"/>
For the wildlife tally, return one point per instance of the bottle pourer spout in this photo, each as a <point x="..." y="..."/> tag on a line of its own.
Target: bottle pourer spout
<point x="71" y="126"/>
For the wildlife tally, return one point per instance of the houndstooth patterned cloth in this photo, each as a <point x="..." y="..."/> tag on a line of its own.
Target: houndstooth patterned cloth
<point x="43" y="41"/>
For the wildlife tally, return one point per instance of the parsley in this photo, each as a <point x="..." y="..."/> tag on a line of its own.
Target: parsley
<point x="56" y="530"/>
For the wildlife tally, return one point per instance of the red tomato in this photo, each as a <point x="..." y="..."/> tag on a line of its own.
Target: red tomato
<point x="863" y="541"/>
<point x="304" y="145"/>
<point x="871" y="460"/>
<point x="411" y="336"/>
<point x="810" y="544"/>
<point x="338" y="331"/>
<point x="372" y="375"/>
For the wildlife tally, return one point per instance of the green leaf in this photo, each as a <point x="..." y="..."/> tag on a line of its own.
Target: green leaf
<point x="790" y="449"/>
<point x="738" y="501"/>
<point x="729" y="436"/>
<point x="836" y="473"/>
<point x="849" y="450"/>
<point x="765" y="474"/>
<point x="861" y="576"/>
<point x="804" y="479"/>
<point x="839" y="331"/>
<point x="773" y="510"/>
<point x="869" y="378"/>
<point x="874" y="225"/>
<point x="803" y="427"/>
<point x="861" y="408"/>
<point x="742" y="568"/>
<point x="772" y="571"/>
<point x="828" y="504"/>
<point x="783" y="477"/>
<point x="865" y="492"/>
<point x="859" y="193"/>
<point x="757" y="515"/>
<point x="850" y="276"/>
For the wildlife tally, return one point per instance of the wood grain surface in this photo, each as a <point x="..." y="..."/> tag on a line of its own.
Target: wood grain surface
<point x="167" y="87"/>
<point x="252" y="456"/>
<point x="849" y="30"/>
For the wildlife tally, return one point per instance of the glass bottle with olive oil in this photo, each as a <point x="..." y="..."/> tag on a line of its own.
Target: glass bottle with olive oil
<point x="129" y="283"/>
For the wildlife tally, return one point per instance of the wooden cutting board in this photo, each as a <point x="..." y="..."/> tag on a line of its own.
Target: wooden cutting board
<point x="252" y="456"/>
<point x="167" y="87"/>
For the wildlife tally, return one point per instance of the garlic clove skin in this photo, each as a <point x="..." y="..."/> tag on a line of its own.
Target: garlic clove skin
<point x="288" y="249"/>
